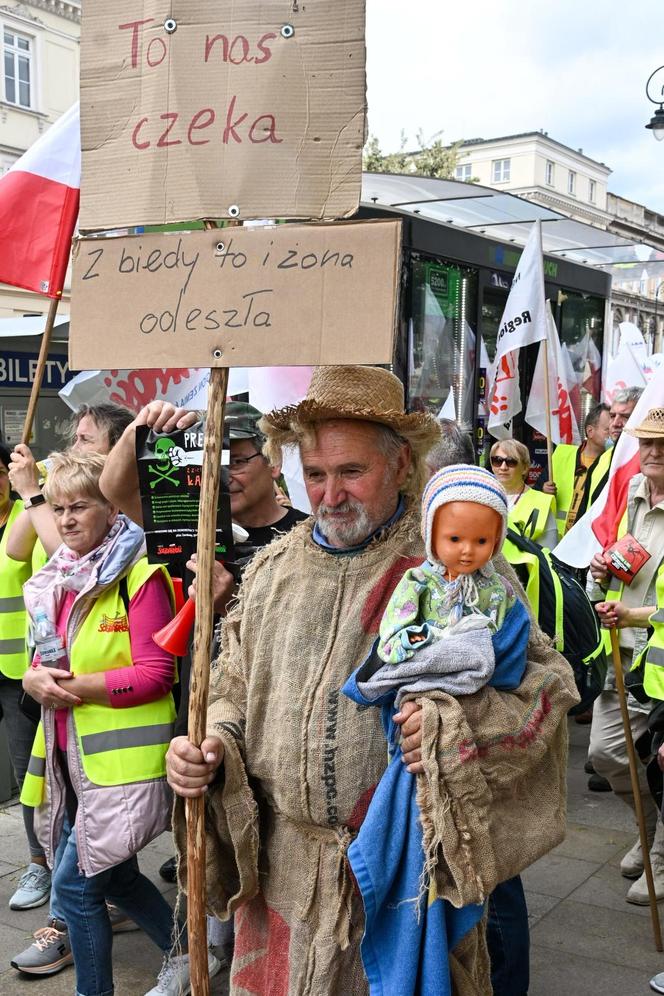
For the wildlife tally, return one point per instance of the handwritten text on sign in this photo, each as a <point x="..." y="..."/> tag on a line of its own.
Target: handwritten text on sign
<point x="218" y="108"/>
<point x="282" y="295"/>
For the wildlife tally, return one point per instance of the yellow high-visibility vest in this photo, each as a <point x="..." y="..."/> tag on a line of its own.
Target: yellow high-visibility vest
<point x="530" y="513"/>
<point x="13" y="617"/>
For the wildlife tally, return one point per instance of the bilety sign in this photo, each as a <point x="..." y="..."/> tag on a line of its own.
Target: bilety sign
<point x="17" y="370"/>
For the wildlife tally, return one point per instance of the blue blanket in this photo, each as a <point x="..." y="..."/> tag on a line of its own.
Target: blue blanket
<point x="405" y="954"/>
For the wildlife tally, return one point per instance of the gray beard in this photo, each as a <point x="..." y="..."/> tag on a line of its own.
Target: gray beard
<point x="344" y="534"/>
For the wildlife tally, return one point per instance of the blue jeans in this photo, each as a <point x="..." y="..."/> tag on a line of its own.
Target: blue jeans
<point x="82" y="903"/>
<point x="508" y="939"/>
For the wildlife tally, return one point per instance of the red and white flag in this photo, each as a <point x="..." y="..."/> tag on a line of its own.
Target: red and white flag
<point x="39" y="198"/>
<point x="564" y="428"/>
<point x="523" y="323"/>
<point x="597" y="529"/>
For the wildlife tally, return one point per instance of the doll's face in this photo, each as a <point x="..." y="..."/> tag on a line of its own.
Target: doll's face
<point x="464" y="536"/>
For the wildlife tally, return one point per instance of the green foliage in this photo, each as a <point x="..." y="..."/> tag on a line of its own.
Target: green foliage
<point x="431" y="158"/>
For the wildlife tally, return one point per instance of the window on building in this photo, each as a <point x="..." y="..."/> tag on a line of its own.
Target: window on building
<point x="463" y="172"/>
<point x="571" y="182"/>
<point x="501" y="170"/>
<point x="17" y="69"/>
<point x="550" y="173"/>
<point x="592" y="186"/>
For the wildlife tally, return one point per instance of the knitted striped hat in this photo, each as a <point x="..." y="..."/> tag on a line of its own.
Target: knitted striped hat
<point x="461" y="482"/>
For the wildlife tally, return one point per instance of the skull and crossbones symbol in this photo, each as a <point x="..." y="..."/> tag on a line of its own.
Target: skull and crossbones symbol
<point x="171" y="457"/>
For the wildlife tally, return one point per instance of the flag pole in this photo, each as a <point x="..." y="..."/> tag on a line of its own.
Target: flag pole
<point x="200" y="671"/>
<point x="39" y="372"/>
<point x="636" y="789"/>
<point x="547" y="404"/>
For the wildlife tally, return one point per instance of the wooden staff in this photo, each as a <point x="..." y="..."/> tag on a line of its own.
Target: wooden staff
<point x="39" y="373"/>
<point x="200" y="672"/>
<point x="636" y="789"/>
<point x="547" y="402"/>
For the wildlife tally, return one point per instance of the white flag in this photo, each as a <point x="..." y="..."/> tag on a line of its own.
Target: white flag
<point x="564" y="428"/>
<point x="523" y="323"/>
<point x="624" y="370"/>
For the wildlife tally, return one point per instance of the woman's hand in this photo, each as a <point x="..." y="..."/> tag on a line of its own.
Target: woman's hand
<point x="613" y="615"/>
<point x="409" y="718"/>
<point x="190" y="769"/>
<point x="43" y="684"/>
<point x="162" y="416"/>
<point x="598" y="569"/>
<point x="23" y="473"/>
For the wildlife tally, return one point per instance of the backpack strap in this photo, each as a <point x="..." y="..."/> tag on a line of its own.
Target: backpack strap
<point x="124" y="592"/>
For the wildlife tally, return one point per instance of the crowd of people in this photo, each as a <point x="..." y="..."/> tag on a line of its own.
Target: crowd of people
<point x="396" y="591"/>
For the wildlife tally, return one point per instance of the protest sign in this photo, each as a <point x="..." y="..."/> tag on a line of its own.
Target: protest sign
<point x="169" y="474"/>
<point x="299" y="294"/>
<point x="221" y="108"/>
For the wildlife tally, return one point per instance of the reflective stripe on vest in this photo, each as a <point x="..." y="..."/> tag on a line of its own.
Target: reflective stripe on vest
<point x="32" y="792"/>
<point x="653" y="656"/>
<point x="118" y="746"/>
<point x="13" y="618"/>
<point x="614" y="591"/>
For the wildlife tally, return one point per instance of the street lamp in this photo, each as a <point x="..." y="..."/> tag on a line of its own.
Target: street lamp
<point x="656" y="123"/>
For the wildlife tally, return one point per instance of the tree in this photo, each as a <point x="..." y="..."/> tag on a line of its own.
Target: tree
<point x="431" y="158"/>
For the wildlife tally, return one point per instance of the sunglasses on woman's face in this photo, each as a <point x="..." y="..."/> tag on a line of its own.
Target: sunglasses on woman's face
<point x="497" y="461"/>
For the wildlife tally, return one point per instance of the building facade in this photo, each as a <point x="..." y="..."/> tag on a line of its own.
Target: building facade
<point x="39" y="82"/>
<point x="538" y="168"/>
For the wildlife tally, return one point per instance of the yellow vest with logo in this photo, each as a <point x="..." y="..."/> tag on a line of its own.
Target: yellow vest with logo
<point x="117" y="746"/>
<point x="530" y="513"/>
<point x="652" y="657"/>
<point x="13" y="617"/>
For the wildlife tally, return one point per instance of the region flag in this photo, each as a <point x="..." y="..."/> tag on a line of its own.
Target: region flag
<point x="598" y="528"/>
<point x="39" y="198"/>
<point x="523" y="323"/>
<point x="564" y="428"/>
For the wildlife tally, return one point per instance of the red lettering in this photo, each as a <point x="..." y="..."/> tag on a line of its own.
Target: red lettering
<point x="266" y="52"/>
<point x="210" y="43"/>
<point x="245" y="51"/>
<point x="157" y="62"/>
<point x="271" y="135"/>
<point x="195" y="126"/>
<point x="134" y="136"/>
<point x="135" y="25"/>
<point x="171" y="116"/>
<point x="232" y="125"/>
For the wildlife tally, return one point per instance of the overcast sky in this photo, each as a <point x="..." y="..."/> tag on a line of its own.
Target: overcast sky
<point x="484" y="68"/>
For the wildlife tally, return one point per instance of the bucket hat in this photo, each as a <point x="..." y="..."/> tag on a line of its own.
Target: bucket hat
<point x="652" y="426"/>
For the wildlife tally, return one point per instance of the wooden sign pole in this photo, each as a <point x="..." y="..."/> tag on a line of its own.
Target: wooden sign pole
<point x="200" y="673"/>
<point x="39" y="373"/>
<point x="636" y="789"/>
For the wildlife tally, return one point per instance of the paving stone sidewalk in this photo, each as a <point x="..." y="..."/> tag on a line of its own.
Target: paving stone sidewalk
<point x="585" y="938"/>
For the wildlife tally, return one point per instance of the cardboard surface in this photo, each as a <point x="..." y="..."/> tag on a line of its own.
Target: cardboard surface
<point x="286" y="295"/>
<point x="224" y="110"/>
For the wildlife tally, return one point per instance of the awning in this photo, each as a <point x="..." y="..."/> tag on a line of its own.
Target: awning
<point x="505" y="217"/>
<point x="14" y="328"/>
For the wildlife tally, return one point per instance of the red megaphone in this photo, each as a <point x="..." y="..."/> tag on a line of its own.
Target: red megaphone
<point x="174" y="636"/>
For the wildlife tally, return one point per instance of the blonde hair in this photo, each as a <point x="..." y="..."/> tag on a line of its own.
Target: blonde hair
<point x="72" y="474"/>
<point x="515" y="451"/>
<point x="388" y="442"/>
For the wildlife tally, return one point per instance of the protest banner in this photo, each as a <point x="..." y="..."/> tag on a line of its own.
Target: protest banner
<point x="555" y="418"/>
<point x="221" y="109"/>
<point x="240" y="296"/>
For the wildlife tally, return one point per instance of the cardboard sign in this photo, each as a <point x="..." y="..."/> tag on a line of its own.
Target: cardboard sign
<point x="221" y="108"/>
<point x="296" y="295"/>
<point x="169" y="474"/>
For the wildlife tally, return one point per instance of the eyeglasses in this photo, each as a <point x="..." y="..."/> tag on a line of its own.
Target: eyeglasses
<point x="497" y="461"/>
<point x="241" y="463"/>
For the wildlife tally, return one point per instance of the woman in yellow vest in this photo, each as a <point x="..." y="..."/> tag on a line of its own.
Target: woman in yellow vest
<point x="107" y="717"/>
<point x="530" y="512"/>
<point x="35" y="884"/>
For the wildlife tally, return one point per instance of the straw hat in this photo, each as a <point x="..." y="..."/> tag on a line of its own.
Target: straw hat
<point x="355" y="392"/>
<point x="652" y="426"/>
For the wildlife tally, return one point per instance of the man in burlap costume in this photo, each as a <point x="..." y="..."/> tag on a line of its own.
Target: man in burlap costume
<point x="289" y="764"/>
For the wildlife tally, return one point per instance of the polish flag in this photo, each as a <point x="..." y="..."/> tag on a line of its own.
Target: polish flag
<point x="38" y="209"/>
<point x="598" y="528"/>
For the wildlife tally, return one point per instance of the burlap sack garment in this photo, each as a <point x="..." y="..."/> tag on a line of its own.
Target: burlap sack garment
<point x="302" y="761"/>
